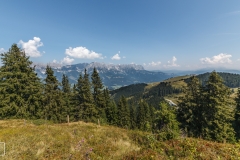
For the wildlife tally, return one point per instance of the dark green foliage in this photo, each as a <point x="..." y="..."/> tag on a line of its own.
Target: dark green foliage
<point x="133" y="117"/>
<point x="66" y="87"/>
<point x="128" y="91"/>
<point x="190" y="110"/>
<point x="98" y="95"/>
<point x="206" y="111"/>
<point x="237" y="115"/>
<point x="229" y="79"/>
<point x="53" y="99"/>
<point x="166" y="124"/>
<point x="85" y="107"/>
<point x="67" y="94"/>
<point x="218" y="110"/>
<point x="111" y="113"/>
<point x="144" y="121"/>
<point x="111" y="108"/>
<point x="123" y="113"/>
<point x="20" y="88"/>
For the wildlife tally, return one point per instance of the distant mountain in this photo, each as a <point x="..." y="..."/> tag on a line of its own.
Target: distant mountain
<point x="113" y="76"/>
<point x="200" y="71"/>
<point x="170" y="88"/>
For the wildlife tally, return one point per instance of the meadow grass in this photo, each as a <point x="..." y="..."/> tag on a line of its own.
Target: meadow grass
<point x="32" y="140"/>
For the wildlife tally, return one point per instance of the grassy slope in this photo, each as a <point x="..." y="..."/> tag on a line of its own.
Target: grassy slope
<point x="80" y="140"/>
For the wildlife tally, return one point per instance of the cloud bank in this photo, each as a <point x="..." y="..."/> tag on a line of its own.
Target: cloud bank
<point x="153" y="64"/>
<point x="67" y="60"/>
<point x="116" y="57"/>
<point x="222" y="58"/>
<point x="31" y="47"/>
<point x="83" y="53"/>
<point x="172" y="63"/>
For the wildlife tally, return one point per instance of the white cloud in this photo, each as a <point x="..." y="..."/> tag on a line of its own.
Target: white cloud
<point x="218" y="59"/>
<point x="31" y="47"/>
<point x="116" y="57"/>
<point x="67" y="60"/>
<point x="2" y="50"/>
<point x="82" y="52"/>
<point x="172" y="63"/>
<point x="154" y="63"/>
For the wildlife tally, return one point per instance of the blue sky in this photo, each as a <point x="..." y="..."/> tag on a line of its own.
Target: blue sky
<point x="158" y="34"/>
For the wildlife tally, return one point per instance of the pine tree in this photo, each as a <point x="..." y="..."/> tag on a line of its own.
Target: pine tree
<point x="111" y="108"/>
<point x="98" y="95"/>
<point x="166" y="123"/>
<point x="53" y="99"/>
<point x="123" y="113"/>
<point x="84" y="100"/>
<point x="66" y="89"/>
<point x="77" y="99"/>
<point x="141" y="114"/>
<point x="20" y="88"/>
<point x="133" y="117"/>
<point x="190" y="108"/>
<point x="144" y="119"/>
<point x="237" y="115"/>
<point x="218" y="111"/>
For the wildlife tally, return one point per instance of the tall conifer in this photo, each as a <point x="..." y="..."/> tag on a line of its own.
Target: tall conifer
<point x="53" y="99"/>
<point x="218" y="111"/>
<point x="111" y="108"/>
<point x="84" y="99"/>
<point x="20" y="88"/>
<point x="123" y="113"/>
<point x="67" y="94"/>
<point x="98" y="94"/>
<point x="190" y="110"/>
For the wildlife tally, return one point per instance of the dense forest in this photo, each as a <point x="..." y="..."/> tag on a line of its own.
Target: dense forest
<point x="204" y="111"/>
<point x="229" y="79"/>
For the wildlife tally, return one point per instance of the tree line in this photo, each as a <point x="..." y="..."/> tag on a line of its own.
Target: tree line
<point x="203" y="111"/>
<point x="24" y="96"/>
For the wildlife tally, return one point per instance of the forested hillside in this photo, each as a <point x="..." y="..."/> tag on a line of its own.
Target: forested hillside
<point x="204" y="111"/>
<point x="229" y="79"/>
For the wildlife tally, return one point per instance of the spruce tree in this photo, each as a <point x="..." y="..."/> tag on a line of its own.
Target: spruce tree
<point x="218" y="111"/>
<point x="66" y="87"/>
<point x="98" y="95"/>
<point x="141" y="115"/>
<point x="20" y="88"/>
<point x="190" y="110"/>
<point x="144" y="117"/>
<point x="53" y="99"/>
<point x="84" y="100"/>
<point x="111" y="108"/>
<point x="67" y="94"/>
<point x="123" y="113"/>
<point x="133" y="117"/>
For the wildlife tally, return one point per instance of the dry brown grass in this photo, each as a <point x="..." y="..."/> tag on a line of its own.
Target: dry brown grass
<point x="79" y="140"/>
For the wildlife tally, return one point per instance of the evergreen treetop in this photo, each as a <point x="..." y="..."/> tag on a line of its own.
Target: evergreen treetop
<point x="20" y="88"/>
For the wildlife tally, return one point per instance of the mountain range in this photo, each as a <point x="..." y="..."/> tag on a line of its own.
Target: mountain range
<point x="113" y="76"/>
